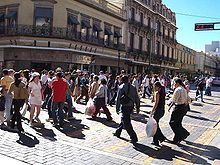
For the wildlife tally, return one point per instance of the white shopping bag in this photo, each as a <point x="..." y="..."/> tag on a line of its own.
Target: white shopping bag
<point x="90" y="108"/>
<point x="151" y="127"/>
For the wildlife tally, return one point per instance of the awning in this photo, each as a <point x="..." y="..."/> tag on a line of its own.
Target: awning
<point x="43" y="12"/>
<point x="117" y="34"/>
<point x="108" y="31"/>
<point x="12" y="15"/>
<point x="2" y="16"/>
<point x="86" y="24"/>
<point x="73" y="20"/>
<point x="97" y="28"/>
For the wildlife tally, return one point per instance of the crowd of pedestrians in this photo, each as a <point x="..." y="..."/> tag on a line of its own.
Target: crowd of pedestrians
<point x="56" y="90"/>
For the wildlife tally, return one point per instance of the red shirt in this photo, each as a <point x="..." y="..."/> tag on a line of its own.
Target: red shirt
<point x="59" y="89"/>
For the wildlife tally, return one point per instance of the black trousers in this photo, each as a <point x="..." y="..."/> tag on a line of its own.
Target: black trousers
<point x="126" y="123"/>
<point x="176" y="122"/>
<point x="112" y="101"/>
<point x="18" y="104"/>
<point x="159" y="113"/>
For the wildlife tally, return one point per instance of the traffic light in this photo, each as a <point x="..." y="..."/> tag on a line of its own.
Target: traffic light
<point x="204" y="26"/>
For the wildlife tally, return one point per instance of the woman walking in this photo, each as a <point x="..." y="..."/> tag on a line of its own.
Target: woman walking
<point x="158" y="110"/>
<point x="19" y="91"/>
<point x="100" y="100"/>
<point x="180" y="101"/>
<point x="35" y="97"/>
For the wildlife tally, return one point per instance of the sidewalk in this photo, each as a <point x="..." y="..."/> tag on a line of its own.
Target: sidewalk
<point x="10" y="161"/>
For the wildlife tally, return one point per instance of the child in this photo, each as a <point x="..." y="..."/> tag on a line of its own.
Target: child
<point x="2" y="107"/>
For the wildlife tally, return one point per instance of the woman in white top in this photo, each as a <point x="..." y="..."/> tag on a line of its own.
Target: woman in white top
<point x="35" y="96"/>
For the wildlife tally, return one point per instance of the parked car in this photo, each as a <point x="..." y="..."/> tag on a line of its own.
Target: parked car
<point x="216" y="81"/>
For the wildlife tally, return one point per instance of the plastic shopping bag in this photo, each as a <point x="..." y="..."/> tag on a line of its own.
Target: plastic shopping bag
<point x="90" y="108"/>
<point x="151" y="127"/>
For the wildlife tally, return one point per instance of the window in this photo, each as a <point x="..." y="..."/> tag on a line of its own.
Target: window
<point x="43" y="20"/>
<point x="132" y="14"/>
<point x="158" y="26"/>
<point x="117" y="36"/>
<point x="11" y="17"/>
<point x="140" y="43"/>
<point x="168" y="52"/>
<point x="172" y="53"/>
<point x="142" y="19"/>
<point x="148" y="45"/>
<point x="132" y="41"/>
<point x="158" y="48"/>
<point x="149" y="22"/>
<point x="107" y="35"/>
<point x="164" y="31"/>
<point x="168" y="33"/>
<point x="2" y="22"/>
<point x="96" y="30"/>
<point x="85" y="26"/>
<point x="163" y="50"/>
<point x="72" y="23"/>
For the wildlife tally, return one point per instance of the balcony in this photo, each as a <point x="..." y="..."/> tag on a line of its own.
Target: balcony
<point x="56" y="32"/>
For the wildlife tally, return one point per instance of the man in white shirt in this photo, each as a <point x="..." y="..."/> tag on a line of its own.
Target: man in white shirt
<point x="146" y="85"/>
<point x="208" y="86"/>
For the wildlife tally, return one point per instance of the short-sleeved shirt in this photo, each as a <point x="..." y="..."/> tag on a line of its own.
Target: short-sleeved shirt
<point x="180" y="96"/>
<point x="6" y="81"/>
<point x="59" y="89"/>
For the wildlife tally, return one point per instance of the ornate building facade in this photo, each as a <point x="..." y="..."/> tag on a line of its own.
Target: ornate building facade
<point x="151" y="40"/>
<point x="71" y="34"/>
<point x="186" y="59"/>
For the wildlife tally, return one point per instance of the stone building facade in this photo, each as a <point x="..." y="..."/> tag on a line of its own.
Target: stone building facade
<point x="186" y="59"/>
<point x="151" y="36"/>
<point x="71" y="34"/>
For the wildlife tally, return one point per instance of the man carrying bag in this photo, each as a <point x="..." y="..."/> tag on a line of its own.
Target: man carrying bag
<point x="126" y="98"/>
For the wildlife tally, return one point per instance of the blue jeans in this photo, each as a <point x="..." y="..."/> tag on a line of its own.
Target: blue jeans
<point x="57" y="112"/>
<point x="8" y="103"/>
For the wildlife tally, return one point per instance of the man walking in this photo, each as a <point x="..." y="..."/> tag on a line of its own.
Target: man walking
<point x="127" y="97"/>
<point x="59" y="89"/>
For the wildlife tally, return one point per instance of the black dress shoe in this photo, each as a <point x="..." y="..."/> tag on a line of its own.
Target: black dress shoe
<point x="116" y="134"/>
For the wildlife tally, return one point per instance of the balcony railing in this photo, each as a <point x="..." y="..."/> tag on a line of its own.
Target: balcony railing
<point x="56" y="32"/>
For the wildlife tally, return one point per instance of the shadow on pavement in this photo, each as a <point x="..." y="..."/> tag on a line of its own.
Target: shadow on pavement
<point x="169" y="154"/>
<point x="74" y="129"/>
<point x="27" y="139"/>
<point x="45" y="133"/>
<point x="210" y="152"/>
<point x="140" y="118"/>
<point x="200" y="118"/>
<point x="104" y="121"/>
<point x="210" y="103"/>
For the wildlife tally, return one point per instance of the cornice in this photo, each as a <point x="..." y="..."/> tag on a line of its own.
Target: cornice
<point x="50" y="1"/>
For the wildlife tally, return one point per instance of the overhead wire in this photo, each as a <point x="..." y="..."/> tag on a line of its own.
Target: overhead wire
<point x="198" y="16"/>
